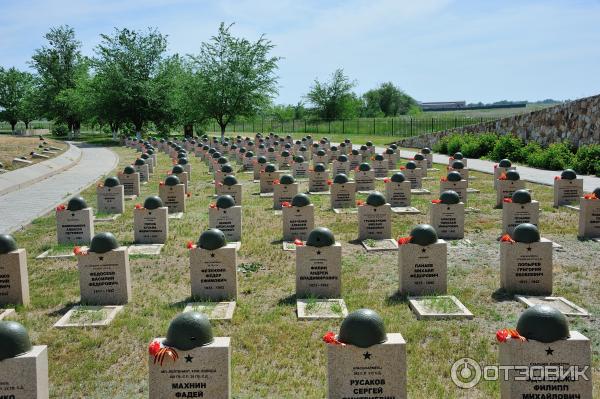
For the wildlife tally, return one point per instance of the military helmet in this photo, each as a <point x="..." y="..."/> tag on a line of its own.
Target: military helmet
<point x="227" y="168"/>
<point x="229" y="180"/>
<point x="76" y="204"/>
<point x="129" y="170"/>
<point x="398" y="177"/>
<point x="212" y="239"/>
<point x="286" y="179"/>
<point x="411" y="165"/>
<point x="423" y="234"/>
<point x="177" y="169"/>
<point x="300" y="200"/>
<point x="111" y="181"/>
<point x="458" y="165"/>
<point x="543" y="323"/>
<point x="362" y="328"/>
<point x="320" y="237"/>
<point x="189" y="330"/>
<point x="379" y="157"/>
<point x="270" y="168"/>
<point x="458" y="155"/>
<point x="364" y="167"/>
<point x="225" y="201"/>
<point x="505" y="163"/>
<point x="376" y="199"/>
<point x="449" y="197"/>
<point x="568" y="174"/>
<point x="183" y="161"/>
<point x="512" y="175"/>
<point x="7" y="244"/>
<point x="172" y="180"/>
<point x="299" y="159"/>
<point x="342" y="158"/>
<point x="103" y="242"/>
<point x="521" y="197"/>
<point x="261" y="159"/>
<point x="319" y="167"/>
<point x="426" y="150"/>
<point x="139" y="162"/>
<point x="153" y="202"/>
<point x="419" y="157"/>
<point x="454" y="176"/>
<point x="14" y="340"/>
<point x="526" y="233"/>
<point x="340" y="178"/>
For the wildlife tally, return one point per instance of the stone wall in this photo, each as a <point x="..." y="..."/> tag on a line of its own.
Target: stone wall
<point x="577" y="122"/>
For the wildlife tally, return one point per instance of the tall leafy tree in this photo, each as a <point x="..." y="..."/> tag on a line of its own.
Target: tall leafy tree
<point x="388" y="100"/>
<point x="15" y="86"/>
<point x="235" y="77"/>
<point x="59" y="66"/>
<point x="130" y="66"/>
<point x="334" y="99"/>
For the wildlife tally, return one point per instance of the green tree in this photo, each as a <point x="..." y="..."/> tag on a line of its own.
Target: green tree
<point x="15" y="86"/>
<point x="386" y="100"/>
<point x="59" y="67"/>
<point x="132" y="72"/>
<point x="235" y="77"/>
<point x="334" y="99"/>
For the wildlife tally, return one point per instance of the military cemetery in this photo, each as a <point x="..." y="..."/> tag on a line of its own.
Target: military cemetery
<point x="170" y="228"/>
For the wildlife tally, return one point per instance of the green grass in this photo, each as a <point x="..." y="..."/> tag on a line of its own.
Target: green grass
<point x="275" y="355"/>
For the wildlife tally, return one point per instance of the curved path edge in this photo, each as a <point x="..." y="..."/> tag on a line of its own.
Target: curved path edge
<point x="24" y="177"/>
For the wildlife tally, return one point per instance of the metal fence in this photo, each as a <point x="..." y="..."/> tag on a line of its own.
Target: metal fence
<point x="398" y="127"/>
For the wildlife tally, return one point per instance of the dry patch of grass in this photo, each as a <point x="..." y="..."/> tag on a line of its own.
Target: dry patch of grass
<point x="274" y="354"/>
<point x="18" y="146"/>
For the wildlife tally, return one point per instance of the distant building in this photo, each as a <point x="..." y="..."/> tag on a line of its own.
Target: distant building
<point x="443" y="105"/>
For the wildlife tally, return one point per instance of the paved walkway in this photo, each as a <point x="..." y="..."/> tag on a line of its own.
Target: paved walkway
<point x="19" y="208"/>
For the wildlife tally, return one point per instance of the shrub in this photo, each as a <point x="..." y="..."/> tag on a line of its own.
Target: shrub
<point x="586" y="159"/>
<point x="507" y="146"/>
<point x="477" y="146"/>
<point x="557" y="156"/>
<point x="441" y="146"/>
<point x="455" y="142"/>
<point x="533" y="147"/>
<point x="60" y="130"/>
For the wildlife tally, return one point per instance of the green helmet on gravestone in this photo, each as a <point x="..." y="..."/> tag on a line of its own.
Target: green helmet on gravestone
<point x="454" y="176"/>
<point x="229" y="180"/>
<point x="389" y="151"/>
<point x="103" y="242"/>
<point x="189" y="330"/>
<point x="364" y="167"/>
<point x="333" y="148"/>
<point x="426" y="150"/>
<point x="419" y="157"/>
<point x="139" y="162"/>
<point x="300" y="200"/>
<point x="505" y="163"/>
<point x="449" y="197"/>
<point x="7" y="244"/>
<point x="261" y="159"/>
<point x="393" y="147"/>
<point x="222" y="161"/>
<point x="320" y="237"/>
<point x="299" y="159"/>
<point x="14" y="340"/>
<point x="183" y="161"/>
<point x="458" y="165"/>
<point x="227" y="168"/>
<point x="129" y="170"/>
<point x="423" y="234"/>
<point x="212" y="239"/>
<point x="153" y="202"/>
<point x="216" y="155"/>
<point x="225" y="201"/>
<point x="144" y="156"/>
<point x="596" y="192"/>
<point x="379" y="157"/>
<point x="521" y="197"/>
<point x="172" y="180"/>
<point x="321" y="153"/>
<point x="285" y="154"/>
<point x="177" y="169"/>
<point x="458" y="155"/>
<point x="342" y="158"/>
<point x="398" y="177"/>
<point x="76" y="204"/>
<point x="362" y="328"/>
<point x="376" y="199"/>
<point x="249" y="154"/>
<point x="411" y="165"/>
<point x="526" y="233"/>
<point x="286" y="179"/>
<point x="270" y="168"/>
<point x="355" y="152"/>
<point x="369" y="144"/>
<point x="340" y="178"/>
<point x="512" y="175"/>
<point x="568" y="174"/>
<point x="543" y="323"/>
<point x="111" y="182"/>
<point x="319" y="167"/>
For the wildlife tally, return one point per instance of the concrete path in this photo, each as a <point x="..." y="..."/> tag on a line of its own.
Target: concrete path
<point x="533" y="175"/>
<point x="19" y="208"/>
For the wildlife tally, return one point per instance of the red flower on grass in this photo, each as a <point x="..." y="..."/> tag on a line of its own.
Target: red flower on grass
<point x="298" y="242"/>
<point x="436" y="201"/>
<point x="444" y="179"/>
<point x="506" y="238"/>
<point x="330" y="338"/>
<point x="79" y="251"/>
<point x="556" y="177"/>
<point x="386" y="180"/>
<point x="61" y="207"/>
<point x="286" y="204"/>
<point x="212" y="205"/>
<point x="404" y="240"/>
<point x="590" y="196"/>
<point x="507" y="200"/>
<point x="138" y="206"/>
<point x="360" y="202"/>
<point x="329" y="182"/>
<point x="190" y="245"/>
<point x="154" y="347"/>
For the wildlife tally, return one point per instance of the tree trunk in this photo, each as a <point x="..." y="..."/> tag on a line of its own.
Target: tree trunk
<point x="77" y="128"/>
<point x="222" y="132"/>
<point x="26" y="125"/>
<point x="12" y="126"/>
<point x="188" y="130"/>
<point x="114" y="133"/>
<point x="138" y="130"/>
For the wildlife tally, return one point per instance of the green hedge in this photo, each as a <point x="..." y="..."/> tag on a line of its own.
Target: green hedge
<point x="558" y="156"/>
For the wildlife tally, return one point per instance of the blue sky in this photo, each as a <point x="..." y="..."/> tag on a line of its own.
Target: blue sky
<point x="435" y="50"/>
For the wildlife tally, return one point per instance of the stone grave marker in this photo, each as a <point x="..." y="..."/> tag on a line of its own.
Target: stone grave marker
<point x="375" y="218"/>
<point x="298" y="219"/>
<point x="426" y="151"/>
<point x="526" y="262"/>
<point x="341" y="165"/>
<point x="364" y="178"/>
<point x="422" y="263"/>
<point x="354" y="159"/>
<point x="460" y="167"/>
<point x="230" y="186"/>
<point x="151" y="222"/>
<point x="501" y="168"/>
<point x="248" y="161"/>
<point x="141" y="167"/>
<point x="226" y="216"/>
<point x="454" y="181"/>
<point x="190" y="362"/>
<point x="187" y="167"/>
<point x="343" y="192"/>
<point x="589" y="215"/>
<point x="104" y="276"/>
<point x="267" y="178"/>
<point x="130" y="179"/>
<point x="421" y="162"/>
<point x="284" y="190"/>
<point x="181" y="175"/>
<point x="284" y="159"/>
<point x="258" y="165"/>
<point x="75" y="223"/>
<point x="14" y="279"/>
<point x="413" y="175"/>
<point x="380" y="166"/>
<point x="567" y="188"/>
<point x="507" y="185"/>
<point x="24" y="368"/>
<point x="149" y="162"/>
<point x="172" y="194"/>
<point x="447" y="216"/>
<point x="557" y="359"/>
<point x="457" y="157"/>
<point x="213" y="264"/>
<point x="320" y="157"/>
<point x="317" y="179"/>
<point x="111" y="196"/>
<point x="519" y="209"/>
<point x="363" y="361"/>
<point x="300" y="168"/>
<point x="397" y="191"/>
<point x="390" y="156"/>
